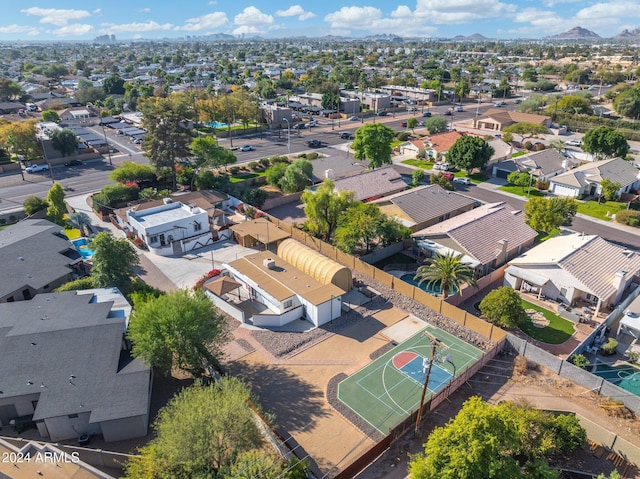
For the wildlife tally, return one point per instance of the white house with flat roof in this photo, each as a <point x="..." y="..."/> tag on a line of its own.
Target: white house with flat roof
<point x="171" y="228"/>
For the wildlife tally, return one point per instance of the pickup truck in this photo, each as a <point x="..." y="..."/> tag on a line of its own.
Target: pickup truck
<point x="36" y="168"/>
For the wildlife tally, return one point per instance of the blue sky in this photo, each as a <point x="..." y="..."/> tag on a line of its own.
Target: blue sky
<point x="84" y="20"/>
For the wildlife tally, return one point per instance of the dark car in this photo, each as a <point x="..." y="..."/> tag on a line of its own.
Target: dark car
<point x="426" y="114"/>
<point x="314" y="143"/>
<point x="403" y="124"/>
<point x="448" y="112"/>
<point x="73" y="163"/>
<point x="383" y="113"/>
<point x="346" y="135"/>
<point x="299" y="126"/>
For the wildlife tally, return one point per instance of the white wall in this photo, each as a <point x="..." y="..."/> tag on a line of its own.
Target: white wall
<point x="561" y="190"/>
<point x="64" y="427"/>
<point x="277" y="319"/>
<point x="125" y="428"/>
<point x="231" y="310"/>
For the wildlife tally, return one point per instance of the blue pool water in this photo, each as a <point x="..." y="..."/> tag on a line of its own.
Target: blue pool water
<point x="431" y="289"/>
<point x="625" y="376"/>
<point x="82" y="245"/>
<point x="218" y="125"/>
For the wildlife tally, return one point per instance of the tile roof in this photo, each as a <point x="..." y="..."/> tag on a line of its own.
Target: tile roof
<point x="428" y="202"/>
<point x="369" y="184"/>
<point x="506" y="116"/>
<point x="442" y="142"/>
<point x="615" y="169"/>
<point x="478" y="232"/>
<point x="543" y="162"/>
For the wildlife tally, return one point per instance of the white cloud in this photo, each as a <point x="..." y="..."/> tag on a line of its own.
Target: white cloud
<point x="28" y="29"/>
<point x="607" y="11"/>
<point x="252" y="17"/>
<point x="205" y="22"/>
<point x="461" y="11"/>
<point x="134" y="27"/>
<point x="212" y="2"/>
<point x="97" y="11"/>
<point x="73" y="30"/>
<point x="369" y="18"/>
<point x="296" y="11"/>
<point x="552" y="3"/>
<point x="145" y="10"/>
<point x="246" y="30"/>
<point x="56" y="16"/>
<point x="402" y="11"/>
<point x="354" y="17"/>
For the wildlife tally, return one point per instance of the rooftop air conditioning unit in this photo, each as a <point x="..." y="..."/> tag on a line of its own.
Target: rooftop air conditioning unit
<point x="269" y="263"/>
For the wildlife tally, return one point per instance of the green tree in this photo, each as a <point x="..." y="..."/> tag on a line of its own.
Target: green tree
<point x="129" y="171"/>
<point x="200" y="433"/>
<point x="520" y="178"/>
<point x="373" y="142"/>
<point x="627" y="103"/>
<point x="57" y="208"/>
<point x="436" y="124"/>
<point x="169" y="134"/>
<point x="113" y="85"/>
<point x="525" y="129"/>
<point x="548" y="214"/>
<point x="447" y="271"/>
<point x="9" y="90"/>
<point x="469" y="152"/>
<point x="503" y="307"/>
<point x="412" y="122"/>
<point x="441" y="180"/>
<point x="180" y="329"/>
<point x="610" y="189"/>
<point x="462" y="89"/>
<point x="33" y="204"/>
<point x="605" y="142"/>
<point x="114" y="260"/>
<point x="51" y="115"/>
<point x="324" y="207"/>
<point x="207" y="152"/>
<point x="19" y="137"/>
<point x="572" y="104"/>
<point x="417" y="176"/>
<point x="275" y="173"/>
<point x="331" y="100"/>
<point x="504" y="441"/>
<point x="65" y="141"/>
<point x="502" y="90"/>
<point x="297" y="176"/>
<point x="256" y="464"/>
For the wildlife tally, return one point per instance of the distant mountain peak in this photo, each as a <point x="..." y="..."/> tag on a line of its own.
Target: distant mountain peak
<point x="629" y="34"/>
<point x="576" y="33"/>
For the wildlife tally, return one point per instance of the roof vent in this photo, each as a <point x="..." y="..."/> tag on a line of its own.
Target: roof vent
<point x="269" y="263"/>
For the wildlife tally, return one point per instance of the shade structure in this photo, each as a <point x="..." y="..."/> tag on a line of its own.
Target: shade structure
<point x="222" y="286"/>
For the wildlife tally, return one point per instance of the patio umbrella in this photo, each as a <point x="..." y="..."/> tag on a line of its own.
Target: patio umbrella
<point x="222" y="286"/>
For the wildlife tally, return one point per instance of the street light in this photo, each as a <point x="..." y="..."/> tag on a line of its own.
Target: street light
<point x="530" y="182"/>
<point x="288" y="135"/>
<point x="46" y="160"/>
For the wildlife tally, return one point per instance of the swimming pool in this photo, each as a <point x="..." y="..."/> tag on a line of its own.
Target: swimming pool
<point x="624" y="376"/>
<point x="82" y="245"/>
<point x="217" y="125"/>
<point x="431" y="289"/>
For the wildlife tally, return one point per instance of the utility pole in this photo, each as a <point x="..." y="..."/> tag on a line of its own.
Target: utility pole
<point x="435" y="342"/>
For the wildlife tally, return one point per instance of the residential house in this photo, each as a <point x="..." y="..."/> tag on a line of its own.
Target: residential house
<point x="283" y="293"/>
<point x="37" y="258"/>
<point x="488" y="236"/>
<point x="438" y="145"/>
<point x="424" y="206"/>
<point x="544" y="164"/>
<point x="66" y="367"/>
<point x="585" y="179"/>
<point x="371" y="185"/>
<point x="574" y="266"/>
<point x="501" y="151"/>
<point x="495" y="119"/>
<point x="80" y="115"/>
<point x="172" y="228"/>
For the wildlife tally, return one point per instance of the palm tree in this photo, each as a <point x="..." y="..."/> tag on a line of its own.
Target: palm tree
<point x="449" y="271"/>
<point x="80" y="221"/>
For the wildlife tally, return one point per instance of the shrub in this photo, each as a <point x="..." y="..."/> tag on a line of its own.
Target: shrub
<point x="628" y="217"/>
<point x="77" y="284"/>
<point x="265" y="162"/>
<point x="312" y="156"/>
<point x="528" y="145"/>
<point x="234" y="170"/>
<point x="279" y="159"/>
<point x="240" y="208"/>
<point x="12" y="219"/>
<point x="211" y="274"/>
<point x="634" y="356"/>
<point x="253" y="165"/>
<point x="403" y="136"/>
<point x="542" y="184"/>
<point x="3" y="221"/>
<point x="579" y="360"/>
<point x="609" y="349"/>
<point x="302" y="155"/>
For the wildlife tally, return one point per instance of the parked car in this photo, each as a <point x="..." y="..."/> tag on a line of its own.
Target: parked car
<point x="458" y="109"/>
<point x="462" y="181"/>
<point x="345" y="135"/>
<point x="448" y="175"/>
<point x="298" y="126"/>
<point x="246" y="148"/>
<point x="312" y="123"/>
<point x="403" y="124"/>
<point x="314" y="143"/>
<point x="442" y="165"/>
<point x="499" y="104"/>
<point x="36" y="168"/>
<point x="383" y="113"/>
<point x="573" y="143"/>
<point x="426" y="114"/>
<point x="448" y="112"/>
<point x="354" y="118"/>
<point x="73" y="163"/>
<point x="421" y="123"/>
<point x="412" y="108"/>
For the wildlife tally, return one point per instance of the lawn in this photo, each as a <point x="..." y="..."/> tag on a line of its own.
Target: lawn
<point x="426" y="165"/>
<point x="558" y="331"/>
<point x="518" y="190"/>
<point x="600" y="210"/>
<point x="247" y="176"/>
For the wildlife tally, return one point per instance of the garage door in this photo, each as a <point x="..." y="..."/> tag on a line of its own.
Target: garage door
<point x="502" y="173"/>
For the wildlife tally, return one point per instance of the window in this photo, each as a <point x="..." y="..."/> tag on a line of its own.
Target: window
<point x="152" y="239"/>
<point x="563" y="292"/>
<point x="197" y="226"/>
<point x="288" y="304"/>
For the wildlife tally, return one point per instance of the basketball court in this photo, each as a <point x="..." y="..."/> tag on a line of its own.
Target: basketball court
<point x="387" y="390"/>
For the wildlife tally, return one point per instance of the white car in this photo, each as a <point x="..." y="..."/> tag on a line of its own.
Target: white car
<point x="36" y="168"/>
<point x="312" y="123"/>
<point x="462" y="181"/>
<point x="246" y="148"/>
<point x="573" y="143"/>
<point x="444" y="166"/>
<point x="354" y="118"/>
<point x="458" y="109"/>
